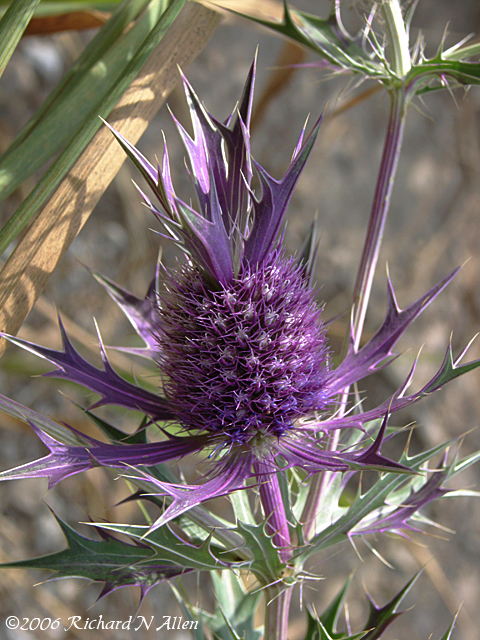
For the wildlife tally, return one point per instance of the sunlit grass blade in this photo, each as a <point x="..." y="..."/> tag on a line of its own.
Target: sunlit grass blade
<point x="44" y="189"/>
<point x="83" y="101"/>
<point x="29" y="267"/>
<point x="103" y="40"/>
<point x="12" y="25"/>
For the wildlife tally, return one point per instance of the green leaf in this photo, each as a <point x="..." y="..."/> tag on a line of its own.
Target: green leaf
<point x="171" y="549"/>
<point x="450" y="369"/>
<point x="111" y="561"/>
<point x="197" y="523"/>
<point x="462" y="51"/>
<point x="193" y="614"/>
<point x="438" y="73"/>
<point x="327" y="38"/>
<point x="266" y="563"/>
<point x="330" y="617"/>
<point x="365" y="504"/>
<point x="316" y="631"/>
<point x="12" y="25"/>
<point x="449" y="631"/>
<point x="325" y="627"/>
<point x="380" y="618"/>
<point x="235" y="608"/>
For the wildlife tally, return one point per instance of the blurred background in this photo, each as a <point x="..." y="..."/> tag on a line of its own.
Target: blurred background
<point x="433" y="226"/>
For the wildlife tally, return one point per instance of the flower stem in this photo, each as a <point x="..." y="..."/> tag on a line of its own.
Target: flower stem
<point x="273" y="507"/>
<point x="399" y="101"/>
<point x="277" y="595"/>
<point x="277" y="608"/>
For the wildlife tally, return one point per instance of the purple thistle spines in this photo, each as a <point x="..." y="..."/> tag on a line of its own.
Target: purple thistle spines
<point x="232" y="226"/>
<point x="246" y="359"/>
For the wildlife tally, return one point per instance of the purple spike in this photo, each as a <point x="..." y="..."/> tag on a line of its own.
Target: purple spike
<point x="207" y="241"/>
<point x="227" y="168"/>
<point x="141" y="313"/>
<point x="270" y="209"/>
<point x="106" y="382"/>
<point x="143" y="165"/>
<point x="371" y="458"/>
<point x="372" y="356"/>
<point x="304" y="453"/>
<point x="397" y="520"/>
<point x="65" y="460"/>
<point x="244" y="108"/>
<point x="197" y="148"/>
<point x="236" y="195"/>
<point x="449" y="370"/>
<point x="229" y="476"/>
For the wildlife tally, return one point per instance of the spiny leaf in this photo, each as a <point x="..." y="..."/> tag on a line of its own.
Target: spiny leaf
<point x="171" y="549"/>
<point x="380" y="618"/>
<point x="317" y="631"/>
<point x="193" y="614"/>
<point x="111" y="561"/>
<point x="330" y="616"/>
<point x="235" y="608"/>
<point x="112" y="388"/>
<point x="266" y="563"/>
<point x="448" y="633"/>
<point x="141" y="312"/>
<point x="327" y="38"/>
<point x="365" y="504"/>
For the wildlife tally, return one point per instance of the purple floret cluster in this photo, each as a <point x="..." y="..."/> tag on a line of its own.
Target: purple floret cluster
<point x="244" y="359"/>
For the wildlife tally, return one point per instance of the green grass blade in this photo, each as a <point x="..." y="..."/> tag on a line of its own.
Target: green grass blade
<point x="96" y="49"/>
<point x="12" y="25"/>
<point x="106" y="79"/>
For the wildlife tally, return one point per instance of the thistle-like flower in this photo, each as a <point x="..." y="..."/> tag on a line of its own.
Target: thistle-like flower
<point x="237" y="336"/>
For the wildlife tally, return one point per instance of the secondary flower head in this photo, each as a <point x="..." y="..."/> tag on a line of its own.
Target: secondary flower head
<point x="236" y="333"/>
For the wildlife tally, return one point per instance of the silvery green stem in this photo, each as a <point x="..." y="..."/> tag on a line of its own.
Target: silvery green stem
<point x="278" y="595"/>
<point x="277" y="600"/>
<point x="400" y="64"/>
<point x="399" y="101"/>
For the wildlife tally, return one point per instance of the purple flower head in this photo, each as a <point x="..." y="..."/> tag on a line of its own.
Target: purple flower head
<point x="237" y="335"/>
<point x="243" y="361"/>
